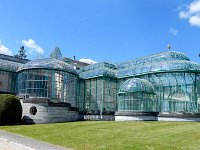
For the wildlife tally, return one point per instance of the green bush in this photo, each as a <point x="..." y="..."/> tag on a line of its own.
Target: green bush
<point x="10" y="109"/>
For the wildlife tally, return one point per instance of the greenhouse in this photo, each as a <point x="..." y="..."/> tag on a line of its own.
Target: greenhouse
<point x="8" y="75"/>
<point x="174" y="77"/>
<point x="98" y="89"/>
<point x="48" y="78"/>
<point x="137" y="95"/>
<point x="146" y="88"/>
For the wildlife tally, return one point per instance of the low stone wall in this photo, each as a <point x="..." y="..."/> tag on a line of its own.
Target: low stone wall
<point x="46" y="114"/>
<point x="179" y="117"/>
<point x="155" y="116"/>
<point x="99" y="117"/>
<point x="135" y="116"/>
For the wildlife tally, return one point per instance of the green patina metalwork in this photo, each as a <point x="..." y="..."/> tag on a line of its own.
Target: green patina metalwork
<point x="164" y="82"/>
<point x="48" y="78"/>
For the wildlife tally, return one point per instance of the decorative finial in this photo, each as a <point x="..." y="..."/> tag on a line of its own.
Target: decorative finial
<point x="169" y="47"/>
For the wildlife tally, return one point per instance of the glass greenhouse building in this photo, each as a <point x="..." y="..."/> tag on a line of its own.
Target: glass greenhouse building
<point x="48" y="78"/>
<point x="164" y="85"/>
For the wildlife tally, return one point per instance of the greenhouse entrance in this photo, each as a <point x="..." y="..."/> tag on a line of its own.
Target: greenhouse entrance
<point x="136" y="101"/>
<point x="136" y="95"/>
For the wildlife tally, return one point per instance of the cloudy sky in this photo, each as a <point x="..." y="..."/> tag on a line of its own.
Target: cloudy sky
<point x="101" y="30"/>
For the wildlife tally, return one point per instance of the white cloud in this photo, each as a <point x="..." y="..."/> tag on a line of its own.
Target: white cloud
<point x="31" y="44"/>
<point x="192" y="13"/>
<point x="194" y="7"/>
<point x="184" y="15"/>
<point x="195" y="20"/>
<point x="173" y="31"/>
<point x="4" y="49"/>
<point x="88" y="61"/>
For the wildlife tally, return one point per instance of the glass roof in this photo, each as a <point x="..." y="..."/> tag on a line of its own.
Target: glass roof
<point x="176" y="65"/>
<point x="9" y="65"/>
<point x="98" y="73"/>
<point x="166" y="61"/>
<point x="101" y="65"/>
<point x="98" y="69"/>
<point x="156" y="58"/>
<point x="48" y="63"/>
<point x="136" y="85"/>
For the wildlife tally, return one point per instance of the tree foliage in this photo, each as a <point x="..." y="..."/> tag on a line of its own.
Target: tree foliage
<point x="22" y="53"/>
<point x="10" y="109"/>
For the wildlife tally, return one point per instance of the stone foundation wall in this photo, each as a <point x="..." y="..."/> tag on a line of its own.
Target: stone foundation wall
<point x="136" y="118"/>
<point x="47" y="114"/>
<point x="99" y="117"/>
<point x="44" y="113"/>
<point x="153" y="116"/>
<point x="178" y="117"/>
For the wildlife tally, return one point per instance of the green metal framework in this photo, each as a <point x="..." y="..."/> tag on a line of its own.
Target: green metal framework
<point x="52" y="64"/>
<point x="98" y="95"/>
<point x="137" y="95"/>
<point x="136" y="85"/>
<point x="164" y="82"/>
<point x="8" y="76"/>
<point x="56" y="81"/>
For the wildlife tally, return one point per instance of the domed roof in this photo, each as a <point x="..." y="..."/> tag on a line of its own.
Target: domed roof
<point x="100" y="65"/>
<point x="98" y="73"/>
<point x="48" y="63"/>
<point x="167" y="66"/>
<point x="136" y="85"/>
<point x="98" y="69"/>
<point x="155" y="58"/>
<point x="9" y="65"/>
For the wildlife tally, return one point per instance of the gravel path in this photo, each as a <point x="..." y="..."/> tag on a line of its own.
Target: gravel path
<point x="10" y="141"/>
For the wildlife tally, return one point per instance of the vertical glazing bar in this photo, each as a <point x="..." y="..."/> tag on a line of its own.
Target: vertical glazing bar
<point x="195" y="93"/>
<point x="102" y="100"/>
<point x="96" y="93"/>
<point x="53" y="95"/>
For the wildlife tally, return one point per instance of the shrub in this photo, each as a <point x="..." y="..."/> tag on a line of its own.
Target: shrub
<point x="10" y="109"/>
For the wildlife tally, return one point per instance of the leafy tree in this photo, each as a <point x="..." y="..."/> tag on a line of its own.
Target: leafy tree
<point x="22" y="53"/>
<point x="56" y="54"/>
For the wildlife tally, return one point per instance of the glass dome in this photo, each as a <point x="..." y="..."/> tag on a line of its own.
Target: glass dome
<point x="9" y="65"/>
<point x="98" y="69"/>
<point x="155" y="58"/>
<point x="176" y="65"/>
<point x="105" y="65"/>
<point x="98" y="73"/>
<point x="136" y="85"/>
<point x="52" y="64"/>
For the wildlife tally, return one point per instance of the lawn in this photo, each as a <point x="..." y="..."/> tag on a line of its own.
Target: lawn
<point x="92" y="135"/>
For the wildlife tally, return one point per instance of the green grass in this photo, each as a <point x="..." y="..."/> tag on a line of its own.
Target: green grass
<point x="115" y="135"/>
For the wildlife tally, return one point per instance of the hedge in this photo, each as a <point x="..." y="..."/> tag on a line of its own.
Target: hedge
<point x="10" y="109"/>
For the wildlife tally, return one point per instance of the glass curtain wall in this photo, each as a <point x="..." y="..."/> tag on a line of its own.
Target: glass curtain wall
<point x="59" y="86"/>
<point x="99" y="97"/>
<point x="176" y="91"/>
<point x="80" y="103"/>
<point x="7" y="82"/>
<point x="139" y="102"/>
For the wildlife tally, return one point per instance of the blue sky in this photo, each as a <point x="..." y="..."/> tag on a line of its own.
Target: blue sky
<point x="101" y="30"/>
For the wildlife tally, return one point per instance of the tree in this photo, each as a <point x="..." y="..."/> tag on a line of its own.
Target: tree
<point x="22" y="53"/>
<point x="56" y="54"/>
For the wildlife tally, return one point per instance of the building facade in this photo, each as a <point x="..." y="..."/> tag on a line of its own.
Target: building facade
<point x="164" y="86"/>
